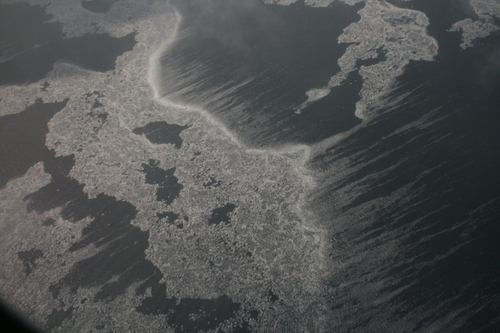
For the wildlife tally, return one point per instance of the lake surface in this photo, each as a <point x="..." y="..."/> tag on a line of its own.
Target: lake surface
<point x="29" y="54"/>
<point x="148" y="222"/>
<point x="251" y="64"/>
<point x="418" y="198"/>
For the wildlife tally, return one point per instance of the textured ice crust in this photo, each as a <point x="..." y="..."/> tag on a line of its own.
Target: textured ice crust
<point x="268" y="254"/>
<point x="485" y="24"/>
<point x="472" y="30"/>
<point x="400" y="34"/>
<point x="268" y="257"/>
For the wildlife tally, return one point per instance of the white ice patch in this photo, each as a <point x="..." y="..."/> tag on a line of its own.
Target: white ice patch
<point x="400" y="33"/>
<point x="483" y="27"/>
<point x="486" y="8"/>
<point x="287" y="248"/>
<point x="472" y="30"/>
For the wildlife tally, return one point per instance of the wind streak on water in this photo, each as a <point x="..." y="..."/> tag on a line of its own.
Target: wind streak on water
<point x="411" y="220"/>
<point x="412" y="204"/>
<point x="250" y="65"/>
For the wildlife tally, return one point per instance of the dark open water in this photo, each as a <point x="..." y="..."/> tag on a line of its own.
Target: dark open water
<point x="30" y="45"/>
<point x="412" y="197"/>
<point x="251" y="64"/>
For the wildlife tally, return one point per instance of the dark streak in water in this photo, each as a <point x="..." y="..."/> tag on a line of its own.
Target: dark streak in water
<point x="372" y="61"/>
<point x="57" y="317"/>
<point x="29" y="259"/>
<point x="272" y="296"/>
<point x="120" y="261"/>
<point x="220" y="215"/>
<point x="210" y="312"/>
<point x="212" y="182"/>
<point x="98" y="6"/>
<point x="161" y="132"/>
<point x="48" y="222"/>
<point x="168" y="185"/>
<point x="170" y="218"/>
<point x="22" y="138"/>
